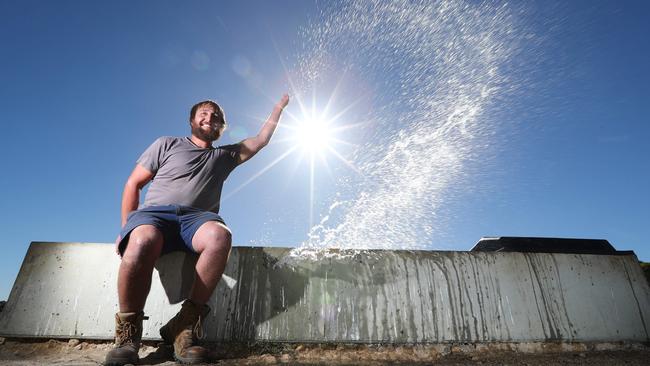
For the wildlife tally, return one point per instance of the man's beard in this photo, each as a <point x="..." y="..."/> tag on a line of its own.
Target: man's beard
<point x="204" y="135"/>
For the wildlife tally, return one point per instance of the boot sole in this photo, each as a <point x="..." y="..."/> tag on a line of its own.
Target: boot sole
<point x="117" y="361"/>
<point x="189" y="361"/>
<point x="120" y="363"/>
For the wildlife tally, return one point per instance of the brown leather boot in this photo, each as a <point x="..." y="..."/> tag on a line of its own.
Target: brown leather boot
<point x="185" y="330"/>
<point x="128" y="334"/>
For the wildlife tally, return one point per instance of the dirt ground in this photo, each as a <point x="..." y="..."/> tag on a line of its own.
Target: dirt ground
<point x="76" y="352"/>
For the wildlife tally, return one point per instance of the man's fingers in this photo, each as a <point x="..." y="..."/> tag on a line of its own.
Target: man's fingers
<point x="285" y="100"/>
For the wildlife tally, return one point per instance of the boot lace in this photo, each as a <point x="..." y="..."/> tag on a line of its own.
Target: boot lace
<point x="125" y="333"/>
<point x="198" y="328"/>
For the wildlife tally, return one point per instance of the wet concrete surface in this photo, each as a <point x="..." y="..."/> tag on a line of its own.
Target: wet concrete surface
<point x="67" y="290"/>
<point x="75" y="352"/>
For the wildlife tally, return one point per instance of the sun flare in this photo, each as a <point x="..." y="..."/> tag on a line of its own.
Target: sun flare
<point x="313" y="134"/>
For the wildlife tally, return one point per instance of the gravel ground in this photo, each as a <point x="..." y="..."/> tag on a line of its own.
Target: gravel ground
<point x="75" y="352"/>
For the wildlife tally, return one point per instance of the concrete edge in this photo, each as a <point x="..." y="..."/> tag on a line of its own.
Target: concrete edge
<point x="349" y="251"/>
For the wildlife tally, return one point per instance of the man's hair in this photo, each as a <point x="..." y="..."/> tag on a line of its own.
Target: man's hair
<point x="217" y="109"/>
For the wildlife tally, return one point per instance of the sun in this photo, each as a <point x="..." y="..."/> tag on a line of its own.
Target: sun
<point x="313" y="133"/>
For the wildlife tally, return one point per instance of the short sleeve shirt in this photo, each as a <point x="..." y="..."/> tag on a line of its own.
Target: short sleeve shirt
<point x="185" y="174"/>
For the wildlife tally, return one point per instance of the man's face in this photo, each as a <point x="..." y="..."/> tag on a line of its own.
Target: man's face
<point x="206" y="125"/>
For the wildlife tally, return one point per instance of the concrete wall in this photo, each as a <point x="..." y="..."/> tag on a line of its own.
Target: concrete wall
<point x="69" y="290"/>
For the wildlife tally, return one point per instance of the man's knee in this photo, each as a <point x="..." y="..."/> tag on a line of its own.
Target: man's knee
<point x="214" y="237"/>
<point x="145" y="241"/>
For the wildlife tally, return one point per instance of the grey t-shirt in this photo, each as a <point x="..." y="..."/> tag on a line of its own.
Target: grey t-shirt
<point x="185" y="174"/>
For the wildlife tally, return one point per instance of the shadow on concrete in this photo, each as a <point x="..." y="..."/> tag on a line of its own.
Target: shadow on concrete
<point x="176" y="272"/>
<point x="260" y="284"/>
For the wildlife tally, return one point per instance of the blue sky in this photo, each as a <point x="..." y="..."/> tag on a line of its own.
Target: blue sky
<point x="86" y="86"/>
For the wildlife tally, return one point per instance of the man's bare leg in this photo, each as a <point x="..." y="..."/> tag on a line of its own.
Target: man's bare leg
<point x="134" y="276"/>
<point x="133" y="284"/>
<point x="212" y="241"/>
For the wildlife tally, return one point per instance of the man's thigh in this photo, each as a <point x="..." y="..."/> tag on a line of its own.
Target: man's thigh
<point x="162" y="218"/>
<point x="195" y="225"/>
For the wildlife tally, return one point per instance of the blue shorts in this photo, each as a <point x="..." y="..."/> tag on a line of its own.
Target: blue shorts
<point x="177" y="224"/>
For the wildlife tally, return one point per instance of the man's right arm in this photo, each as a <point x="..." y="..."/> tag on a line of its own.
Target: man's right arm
<point x="131" y="195"/>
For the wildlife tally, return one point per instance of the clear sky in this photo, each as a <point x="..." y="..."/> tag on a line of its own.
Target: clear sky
<point x="86" y="86"/>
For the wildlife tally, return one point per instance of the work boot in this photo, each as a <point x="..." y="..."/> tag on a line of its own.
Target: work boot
<point x="184" y="331"/>
<point x="128" y="334"/>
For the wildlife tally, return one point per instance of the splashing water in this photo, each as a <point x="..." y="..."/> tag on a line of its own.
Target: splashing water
<point x="438" y="66"/>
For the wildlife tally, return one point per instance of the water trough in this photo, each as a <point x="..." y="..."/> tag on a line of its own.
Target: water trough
<point x="68" y="290"/>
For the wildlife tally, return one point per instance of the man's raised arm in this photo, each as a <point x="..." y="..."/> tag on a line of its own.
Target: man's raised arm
<point x="252" y="145"/>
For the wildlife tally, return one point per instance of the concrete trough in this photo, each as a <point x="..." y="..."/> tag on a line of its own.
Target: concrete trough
<point x="68" y="290"/>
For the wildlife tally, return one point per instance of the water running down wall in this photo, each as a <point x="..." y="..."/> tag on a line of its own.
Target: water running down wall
<point x="68" y="290"/>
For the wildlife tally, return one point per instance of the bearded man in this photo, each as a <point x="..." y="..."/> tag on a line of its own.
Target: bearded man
<point x="180" y="212"/>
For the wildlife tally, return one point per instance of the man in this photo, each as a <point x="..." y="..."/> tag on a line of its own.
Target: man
<point x="180" y="212"/>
